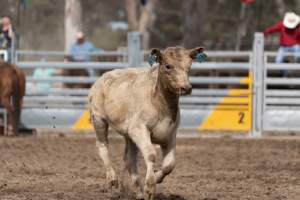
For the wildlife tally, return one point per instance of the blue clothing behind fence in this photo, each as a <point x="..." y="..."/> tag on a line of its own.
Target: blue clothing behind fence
<point x="289" y="49"/>
<point x="79" y="52"/>
<point x="281" y="54"/>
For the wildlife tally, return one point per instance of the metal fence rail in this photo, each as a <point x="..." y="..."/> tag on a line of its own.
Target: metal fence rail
<point x="218" y="54"/>
<point x="72" y="65"/>
<point x="194" y="80"/>
<point x="115" y="65"/>
<point x="280" y="66"/>
<point x="283" y="93"/>
<point x="195" y="92"/>
<point x="3" y="112"/>
<point x="30" y="100"/>
<point x="4" y="55"/>
<point x="23" y="55"/>
<point x="59" y="91"/>
<point x="62" y="53"/>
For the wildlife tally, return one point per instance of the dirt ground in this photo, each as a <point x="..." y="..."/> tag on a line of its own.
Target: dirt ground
<point x="206" y="169"/>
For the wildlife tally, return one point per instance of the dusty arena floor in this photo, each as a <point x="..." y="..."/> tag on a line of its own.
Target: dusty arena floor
<point x="207" y="169"/>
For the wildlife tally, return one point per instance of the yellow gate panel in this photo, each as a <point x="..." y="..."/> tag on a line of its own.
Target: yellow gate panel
<point x="233" y="113"/>
<point x="227" y="120"/>
<point x="83" y="123"/>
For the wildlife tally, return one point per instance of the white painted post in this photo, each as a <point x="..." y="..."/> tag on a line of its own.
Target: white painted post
<point x="13" y="49"/>
<point x="134" y="49"/>
<point x="5" y="122"/>
<point x="259" y="75"/>
<point x="5" y="125"/>
<point x="4" y="55"/>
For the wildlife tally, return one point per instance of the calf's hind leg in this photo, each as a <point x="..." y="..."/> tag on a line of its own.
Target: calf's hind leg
<point x="101" y="128"/>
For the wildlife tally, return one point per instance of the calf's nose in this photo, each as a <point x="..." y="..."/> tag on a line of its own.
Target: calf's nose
<point x="186" y="89"/>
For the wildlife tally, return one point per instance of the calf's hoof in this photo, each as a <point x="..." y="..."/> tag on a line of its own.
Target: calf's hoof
<point x="139" y="195"/>
<point x="159" y="176"/>
<point x="149" y="196"/>
<point x="113" y="184"/>
<point x="112" y="179"/>
<point x="149" y="190"/>
<point x="10" y="134"/>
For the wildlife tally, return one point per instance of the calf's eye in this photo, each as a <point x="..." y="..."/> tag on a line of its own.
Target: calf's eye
<point x="168" y="67"/>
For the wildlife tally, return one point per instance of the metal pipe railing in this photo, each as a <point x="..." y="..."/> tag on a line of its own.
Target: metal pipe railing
<point x="72" y="65"/>
<point x="63" y="53"/>
<point x="4" y="55"/>
<point x="194" y="80"/>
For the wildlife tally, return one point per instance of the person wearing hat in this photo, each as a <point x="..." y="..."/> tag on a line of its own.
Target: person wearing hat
<point x="6" y="35"/>
<point x="80" y="50"/>
<point x="289" y="31"/>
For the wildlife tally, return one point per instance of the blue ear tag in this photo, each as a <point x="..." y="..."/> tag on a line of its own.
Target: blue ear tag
<point x="200" y="57"/>
<point x="152" y="60"/>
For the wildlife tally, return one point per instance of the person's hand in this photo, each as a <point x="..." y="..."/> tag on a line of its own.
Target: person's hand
<point x="10" y="31"/>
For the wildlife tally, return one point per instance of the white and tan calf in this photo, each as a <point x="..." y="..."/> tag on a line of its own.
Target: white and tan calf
<point x="142" y="104"/>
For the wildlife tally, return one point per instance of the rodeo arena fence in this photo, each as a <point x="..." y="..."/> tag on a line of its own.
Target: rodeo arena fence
<point x="233" y="91"/>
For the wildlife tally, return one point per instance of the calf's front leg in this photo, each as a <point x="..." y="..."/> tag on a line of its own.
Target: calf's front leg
<point x="168" y="163"/>
<point x="141" y="137"/>
<point x="131" y="161"/>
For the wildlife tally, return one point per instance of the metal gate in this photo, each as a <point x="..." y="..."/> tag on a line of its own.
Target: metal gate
<point x="276" y="91"/>
<point x="282" y="94"/>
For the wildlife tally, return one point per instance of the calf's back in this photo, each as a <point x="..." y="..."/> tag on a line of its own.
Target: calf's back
<point x="125" y="95"/>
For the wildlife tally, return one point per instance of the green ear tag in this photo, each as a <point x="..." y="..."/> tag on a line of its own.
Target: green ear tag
<point x="152" y="60"/>
<point x="200" y="57"/>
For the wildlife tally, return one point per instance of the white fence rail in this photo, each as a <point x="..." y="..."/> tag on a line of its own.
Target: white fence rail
<point x="4" y="55"/>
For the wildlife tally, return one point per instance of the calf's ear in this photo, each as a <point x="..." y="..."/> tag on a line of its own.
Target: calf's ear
<point x="155" y="57"/>
<point x="198" y="54"/>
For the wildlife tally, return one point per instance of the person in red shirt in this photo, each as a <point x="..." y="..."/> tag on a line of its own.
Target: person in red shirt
<point x="289" y="30"/>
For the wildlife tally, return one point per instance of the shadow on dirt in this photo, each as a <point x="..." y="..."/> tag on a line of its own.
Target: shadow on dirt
<point x="169" y="197"/>
<point x="160" y="196"/>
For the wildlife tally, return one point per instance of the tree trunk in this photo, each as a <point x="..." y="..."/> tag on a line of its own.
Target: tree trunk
<point x="241" y="26"/>
<point x="73" y="22"/>
<point x="281" y="8"/>
<point x="195" y="15"/>
<point x="297" y="6"/>
<point x="145" y="22"/>
<point x="131" y="9"/>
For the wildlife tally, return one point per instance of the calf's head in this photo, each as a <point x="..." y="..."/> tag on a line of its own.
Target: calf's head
<point x="174" y="67"/>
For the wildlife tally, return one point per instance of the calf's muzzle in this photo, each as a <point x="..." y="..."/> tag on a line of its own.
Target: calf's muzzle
<point x="186" y="90"/>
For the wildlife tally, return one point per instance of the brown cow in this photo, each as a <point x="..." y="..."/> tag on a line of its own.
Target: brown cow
<point x="12" y="91"/>
<point x="142" y="104"/>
